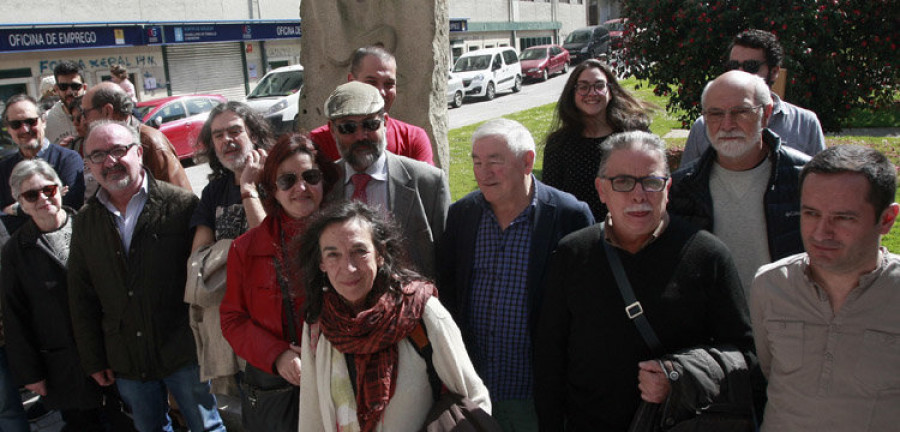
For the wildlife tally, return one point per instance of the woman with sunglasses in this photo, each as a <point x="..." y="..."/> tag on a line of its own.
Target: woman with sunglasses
<point x="260" y="313"/>
<point x="40" y="344"/>
<point x="592" y="107"/>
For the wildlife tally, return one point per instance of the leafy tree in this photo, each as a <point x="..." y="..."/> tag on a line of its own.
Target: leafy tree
<point x="840" y="54"/>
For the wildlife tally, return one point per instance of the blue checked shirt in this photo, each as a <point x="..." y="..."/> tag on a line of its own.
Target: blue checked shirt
<point x="498" y="312"/>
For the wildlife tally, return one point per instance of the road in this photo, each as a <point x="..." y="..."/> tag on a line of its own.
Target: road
<point x="473" y="111"/>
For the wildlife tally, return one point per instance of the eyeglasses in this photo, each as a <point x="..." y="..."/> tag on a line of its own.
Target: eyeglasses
<point x="33" y="195"/>
<point x="625" y="183"/>
<point x="84" y="110"/>
<point x="749" y="66"/>
<point x="348" y="128"/>
<point x="585" y="89"/>
<point x="116" y="152"/>
<point x="70" y="86"/>
<point x="288" y="180"/>
<point x="714" y="116"/>
<point x="31" y="122"/>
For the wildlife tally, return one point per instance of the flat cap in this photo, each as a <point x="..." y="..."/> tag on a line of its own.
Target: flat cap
<point x="353" y="99"/>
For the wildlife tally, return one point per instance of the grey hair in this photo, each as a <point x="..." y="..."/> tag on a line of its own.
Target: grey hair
<point x="135" y="133"/>
<point x="762" y="94"/>
<point x="518" y="139"/>
<point x="121" y="103"/>
<point x="30" y="167"/>
<point x="633" y="140"/>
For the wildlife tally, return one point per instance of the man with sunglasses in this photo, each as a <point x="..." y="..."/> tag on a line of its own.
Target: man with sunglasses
<point x="745" y="188"/>
<point x="26" y="126"/>
<point x="127" y="275"/>
<point x="758" y="52"/>
<point x="375" y="66"/>
<point x="593" y="364"/>
<point x="415" y="193"/>
<point x="69" y="85"/>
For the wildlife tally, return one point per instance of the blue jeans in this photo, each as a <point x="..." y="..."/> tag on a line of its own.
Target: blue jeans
<point x="149" y="405"/>
<point x="12" y="415"/>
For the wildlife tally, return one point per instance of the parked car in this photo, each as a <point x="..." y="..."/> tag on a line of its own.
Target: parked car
<point x="616" y="29"/>
<point x="277" y="96"/>
<point x="455" y="91"/>
<point x="486" y="71"/>
<point x="539" y="62"/>
<point x="179" y="118"/>
<point x="588" y="42"/>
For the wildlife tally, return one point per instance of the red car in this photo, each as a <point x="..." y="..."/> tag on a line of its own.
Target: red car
<point x="541" y="61"/>
<point x="616" y="32"/>
<point x="179" y="118"/>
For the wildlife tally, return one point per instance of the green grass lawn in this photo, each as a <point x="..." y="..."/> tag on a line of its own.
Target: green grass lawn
<point x="539" y="120"/>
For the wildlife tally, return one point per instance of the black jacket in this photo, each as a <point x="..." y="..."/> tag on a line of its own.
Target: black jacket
<point x="37" y="322"/>
<point x="691" y="199"/>
<point x="128" y="309"/>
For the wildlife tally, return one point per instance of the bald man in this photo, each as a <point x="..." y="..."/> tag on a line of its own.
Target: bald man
<point x="107" y="101"/>
<point x="745" y="187"/>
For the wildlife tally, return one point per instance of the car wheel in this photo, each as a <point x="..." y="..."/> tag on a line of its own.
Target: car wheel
<point x="518" y="84"/>
<point x="544" y="75"/>
<point x="458" y="99"/>
<point x="490" y="92"/>
<point x="565" y="68"/>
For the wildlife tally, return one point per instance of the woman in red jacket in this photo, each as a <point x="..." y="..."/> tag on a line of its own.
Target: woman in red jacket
<point x="261" y="310"/>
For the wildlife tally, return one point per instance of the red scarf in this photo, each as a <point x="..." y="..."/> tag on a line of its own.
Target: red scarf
<point x="372" y="337"/>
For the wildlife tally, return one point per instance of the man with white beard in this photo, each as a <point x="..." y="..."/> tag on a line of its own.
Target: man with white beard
<point x="745" y="188"/>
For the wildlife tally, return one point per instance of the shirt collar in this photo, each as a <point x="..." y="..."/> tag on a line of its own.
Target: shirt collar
<point x="378" y="169"/>
<point x="103" y="194"/>
<point x="45" y="147"/>
<point x="611" y="239"/>
<point x="865" y="280"/>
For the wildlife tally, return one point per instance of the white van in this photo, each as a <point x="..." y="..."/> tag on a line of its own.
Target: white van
<point x="277" y="95"/>
<point x="486" y="71"/>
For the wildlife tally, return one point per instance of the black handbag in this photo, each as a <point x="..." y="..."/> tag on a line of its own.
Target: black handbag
<point x="649" y="416"/>
<point x="450" y="412"/>
<point x="269" y="403"/>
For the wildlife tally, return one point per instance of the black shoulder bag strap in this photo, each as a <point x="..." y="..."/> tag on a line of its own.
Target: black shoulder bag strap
<point x="633" y="308"/>
<point x="419" y="339"/>
<point x="286" y="302"/>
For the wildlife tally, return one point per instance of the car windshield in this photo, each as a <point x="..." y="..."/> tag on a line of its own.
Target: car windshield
<point x="466" y="64"/>
<point x="579" y="36"/>
<point x="144" y="110"/>
<point x="278" y="84"/>
<point x="533" y="54"/>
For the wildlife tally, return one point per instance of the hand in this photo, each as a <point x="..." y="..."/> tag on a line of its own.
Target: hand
<point x="12" y="209"/>
<point x="39" y="387"/>
<point x="104" y="377"/>
<point x="653" y="382"/>
<point x="67" y="141"/>
<point x="252" y="169"/>
<point x="288" y="365"/>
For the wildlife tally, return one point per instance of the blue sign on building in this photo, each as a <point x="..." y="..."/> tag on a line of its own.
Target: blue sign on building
<point x="60" y="38"/>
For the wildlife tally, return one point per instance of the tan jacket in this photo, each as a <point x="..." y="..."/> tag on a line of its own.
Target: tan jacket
<point x="160" y="158"/>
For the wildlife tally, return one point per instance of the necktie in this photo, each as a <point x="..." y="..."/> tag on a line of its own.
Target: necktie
<point x="360" y="181"/>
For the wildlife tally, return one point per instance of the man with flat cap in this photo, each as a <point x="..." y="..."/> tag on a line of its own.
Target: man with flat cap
<point x="415" y="193"/>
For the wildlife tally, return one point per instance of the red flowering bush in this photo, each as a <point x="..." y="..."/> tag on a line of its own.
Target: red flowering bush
<point x="840" y="54"/>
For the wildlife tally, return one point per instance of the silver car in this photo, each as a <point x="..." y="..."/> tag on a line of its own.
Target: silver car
<point x="455" y="91"/>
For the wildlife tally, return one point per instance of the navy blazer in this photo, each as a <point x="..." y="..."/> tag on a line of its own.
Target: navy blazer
<point x="557" y="213"/>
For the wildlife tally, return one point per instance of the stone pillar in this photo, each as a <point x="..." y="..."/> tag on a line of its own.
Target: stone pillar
<point x="415" y="31"/>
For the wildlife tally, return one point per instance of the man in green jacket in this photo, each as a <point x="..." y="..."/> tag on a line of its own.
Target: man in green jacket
<point x="127" y="274"/>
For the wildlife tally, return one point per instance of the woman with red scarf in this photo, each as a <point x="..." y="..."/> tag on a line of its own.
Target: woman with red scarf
<point x="360" y="370"/>
<point x="260" y="313"/>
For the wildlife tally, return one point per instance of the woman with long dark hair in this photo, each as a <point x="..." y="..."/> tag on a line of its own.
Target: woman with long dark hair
<point x="592" y="107"/>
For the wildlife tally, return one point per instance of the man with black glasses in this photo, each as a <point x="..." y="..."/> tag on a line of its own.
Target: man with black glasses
<point x="415" y="193"/>
<point x="671" y="336"/>
<point x="26" y="126"/>
<point x="758" y="52"/>
<point x="744" y="189"/>
<point x="69" y="85"/>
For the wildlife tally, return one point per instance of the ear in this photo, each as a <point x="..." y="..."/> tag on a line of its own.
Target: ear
<point x="598" y="185"/>
<point x="107" y="111"/>
<point x="773" y="74"/>
<point x="888" y="217"/>
<point x="528" y="160"/>
<point x="140" y="151"/>
<point x="350" y="77"/>
<point x="767" y="114"/>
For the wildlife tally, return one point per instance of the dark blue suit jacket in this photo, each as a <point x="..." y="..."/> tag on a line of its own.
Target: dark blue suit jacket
<point x="557" y="214"/>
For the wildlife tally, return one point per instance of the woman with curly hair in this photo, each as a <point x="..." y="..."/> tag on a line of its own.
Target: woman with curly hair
<point x="592" y="107"/>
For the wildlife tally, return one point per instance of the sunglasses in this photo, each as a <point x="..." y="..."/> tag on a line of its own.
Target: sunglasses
<point x="348" y="128"/>
<point x="288" y="180"/>
<point x="749" y="66"/>
<point x="33" y="195"/>
<point x="31" y="122"/>
<point x="70" y="86"/>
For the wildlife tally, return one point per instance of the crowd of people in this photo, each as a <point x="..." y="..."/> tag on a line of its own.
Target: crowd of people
<point x="745" y="291"/>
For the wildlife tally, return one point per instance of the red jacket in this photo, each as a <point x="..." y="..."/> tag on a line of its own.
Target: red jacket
<point x="252" y="309"/>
